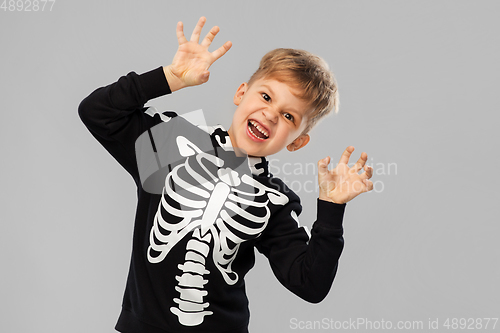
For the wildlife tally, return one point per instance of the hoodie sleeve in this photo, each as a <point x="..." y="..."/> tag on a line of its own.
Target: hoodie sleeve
<point x="115" y="116"/>
<point x="305" y="264"/>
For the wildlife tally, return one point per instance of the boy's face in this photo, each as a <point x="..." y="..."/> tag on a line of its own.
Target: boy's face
<point x="269" y="117"/>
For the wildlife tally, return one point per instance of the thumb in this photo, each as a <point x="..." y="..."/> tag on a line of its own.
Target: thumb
<point x="204" y="76"/>
<point x="323" y="165"/>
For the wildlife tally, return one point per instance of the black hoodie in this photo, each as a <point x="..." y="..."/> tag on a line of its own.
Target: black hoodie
<point x="198" y="221"/>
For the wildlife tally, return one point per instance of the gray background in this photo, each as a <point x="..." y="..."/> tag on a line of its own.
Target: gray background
<point x="419" y="90"/>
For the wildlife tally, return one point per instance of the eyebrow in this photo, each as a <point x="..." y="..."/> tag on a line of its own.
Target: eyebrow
<point x="290" y="109"/>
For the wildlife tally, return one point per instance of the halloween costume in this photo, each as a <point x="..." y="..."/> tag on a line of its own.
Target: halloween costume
<point x="202" y="209"/>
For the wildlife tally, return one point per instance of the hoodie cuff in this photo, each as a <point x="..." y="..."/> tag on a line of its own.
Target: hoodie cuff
<point x="154" y="83"/>
<point x="330" y="215"/>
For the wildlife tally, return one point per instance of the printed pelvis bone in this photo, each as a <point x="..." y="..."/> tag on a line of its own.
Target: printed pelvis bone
<point x="213" y="204"/>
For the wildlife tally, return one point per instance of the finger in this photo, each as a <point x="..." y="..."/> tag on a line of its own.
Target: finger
<point x="368" y="172"/>
<point x="195" y="36"/>
<point x="346" y="154"/>
<point x="222" y="50"/>
<point x="369" y="185"/>
<point x="180" y="33"/>
<point x="361" y="162"/>
<point x="323" y="165"/>
<point x="210" y="36"/>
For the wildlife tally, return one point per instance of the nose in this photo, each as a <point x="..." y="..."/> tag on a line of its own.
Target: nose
<point x="271" y="115"/>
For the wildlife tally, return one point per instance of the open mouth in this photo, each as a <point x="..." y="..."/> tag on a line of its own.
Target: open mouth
<point x="257" y="131"/>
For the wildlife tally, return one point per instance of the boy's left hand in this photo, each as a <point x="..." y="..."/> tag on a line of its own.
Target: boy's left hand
<point x="342" y="184"/>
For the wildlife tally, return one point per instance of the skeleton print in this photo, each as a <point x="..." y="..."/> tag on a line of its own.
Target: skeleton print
<point x="218" y="206"/>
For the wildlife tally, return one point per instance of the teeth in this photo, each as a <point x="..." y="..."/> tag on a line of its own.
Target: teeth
<point x="253" y="133"/>
<point x="263" y="131"/>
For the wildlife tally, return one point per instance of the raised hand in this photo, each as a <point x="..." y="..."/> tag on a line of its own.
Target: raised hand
<point x="192" y="60"/>
<point x="342" y="184"/>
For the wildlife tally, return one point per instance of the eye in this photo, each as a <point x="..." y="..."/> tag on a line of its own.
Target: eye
<point x="288" y="116"/>
<point x="266" y="97"/>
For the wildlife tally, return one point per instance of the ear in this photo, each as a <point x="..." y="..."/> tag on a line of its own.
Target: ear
<point x="242" y="89"/>
<point x="298" y="143"/>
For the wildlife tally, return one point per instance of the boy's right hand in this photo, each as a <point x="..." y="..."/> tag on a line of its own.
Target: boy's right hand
<point x="192" y="60"/>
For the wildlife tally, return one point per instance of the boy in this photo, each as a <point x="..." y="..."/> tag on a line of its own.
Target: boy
<point x="194" y="238"/>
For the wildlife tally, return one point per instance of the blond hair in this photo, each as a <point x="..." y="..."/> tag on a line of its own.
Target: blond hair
<point x="307" y="73"/>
